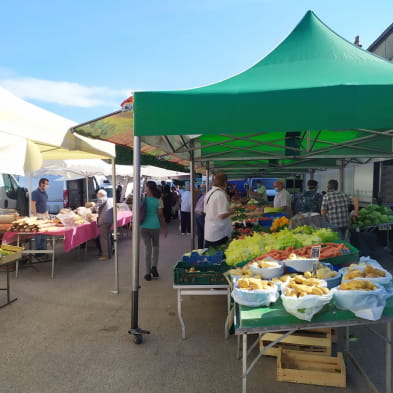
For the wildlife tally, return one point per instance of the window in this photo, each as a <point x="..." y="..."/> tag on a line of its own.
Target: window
<point x="10" y="186"/>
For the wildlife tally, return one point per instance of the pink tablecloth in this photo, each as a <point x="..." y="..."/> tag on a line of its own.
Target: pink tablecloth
<point x="73" y="236"/>
<point x="124" y="218"/>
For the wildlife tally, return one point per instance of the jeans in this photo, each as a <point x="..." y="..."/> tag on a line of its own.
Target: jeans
<point x="200" y="229"/>
<point x="40" y="242"/>
<point x="151" y="238"/>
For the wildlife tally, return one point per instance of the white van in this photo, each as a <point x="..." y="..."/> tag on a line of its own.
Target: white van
<point x="12" y="195"/>
<point x="8" y="191"/>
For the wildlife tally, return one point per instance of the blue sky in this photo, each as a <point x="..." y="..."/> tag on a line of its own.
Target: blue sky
<point x="82" y="58"/>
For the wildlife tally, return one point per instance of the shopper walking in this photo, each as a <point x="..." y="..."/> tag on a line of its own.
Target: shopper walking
<point x="150" y="228"/>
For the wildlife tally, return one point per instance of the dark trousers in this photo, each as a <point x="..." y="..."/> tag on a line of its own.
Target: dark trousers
<point x="342" y="231"/>
<point x="185" y="222"/>
<point x="216" y="243"/>
<point x="200" y="229"/>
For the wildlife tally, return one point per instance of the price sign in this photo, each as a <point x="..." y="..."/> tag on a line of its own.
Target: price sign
<point x="315" y="251"/>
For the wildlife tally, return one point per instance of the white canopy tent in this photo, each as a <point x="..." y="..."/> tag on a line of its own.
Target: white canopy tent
<point x="30" y="134"/>
<point x="34" y="134"/>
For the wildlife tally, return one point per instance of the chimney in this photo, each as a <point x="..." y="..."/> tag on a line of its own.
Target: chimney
<point x="357" y="41"/>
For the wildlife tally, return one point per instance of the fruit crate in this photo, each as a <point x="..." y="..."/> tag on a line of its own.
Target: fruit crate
<point x="199" y="275"/>
<point x="197" y="259"/>
<point x="318" y="341"/>
<point x="301" y="367"/>
<point x="345" y="259"/>
<point x="15" y="254"/>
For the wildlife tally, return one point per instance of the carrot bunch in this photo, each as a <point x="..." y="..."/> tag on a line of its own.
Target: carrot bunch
<point x="328" y="250"/>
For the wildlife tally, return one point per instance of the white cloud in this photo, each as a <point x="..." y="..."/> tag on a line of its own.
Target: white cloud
<point x="64" y="93"/>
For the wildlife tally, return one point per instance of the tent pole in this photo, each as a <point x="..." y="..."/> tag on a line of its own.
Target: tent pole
<point x="116" y="290"/>
<point x="30" y="191"/>
<point x="192" y="189"/>
<point x="342" y="175"/>
<point x="207" y="176"/>
<point x="87" y="188"/>
<point x="135" y="330"/>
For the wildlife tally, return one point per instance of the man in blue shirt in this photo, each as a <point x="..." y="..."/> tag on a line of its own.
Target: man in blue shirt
<point x="39" y="208"/>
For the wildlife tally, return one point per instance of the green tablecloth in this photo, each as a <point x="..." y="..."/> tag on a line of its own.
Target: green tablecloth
<point x="258" y="319"/>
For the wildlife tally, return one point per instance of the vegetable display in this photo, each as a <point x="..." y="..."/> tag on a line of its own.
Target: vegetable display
<point x="373" y="215"/>
<point x="250" y="247"/>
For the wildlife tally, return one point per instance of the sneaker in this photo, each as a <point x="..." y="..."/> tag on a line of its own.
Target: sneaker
<point x="102" y="258"/>
<point x="183" y="234"/>
<point x="154" y="272"/>
<point x="148" y="277"/>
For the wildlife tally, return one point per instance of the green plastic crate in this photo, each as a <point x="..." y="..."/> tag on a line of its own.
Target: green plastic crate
<point x="345" y="259"/>
<point x="205" y="275"/>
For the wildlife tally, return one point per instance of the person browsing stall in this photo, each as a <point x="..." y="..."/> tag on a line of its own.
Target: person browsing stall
<point x="311" y="200"/>
<point x="39" y="208"/>
<point x="282" y="199"/>
<point x="260" y="193"/>
<point x="218" y="224"/>
<point x="335" y="208"/>
<point x="104" y="221"/>
<point x="200" y="217"/>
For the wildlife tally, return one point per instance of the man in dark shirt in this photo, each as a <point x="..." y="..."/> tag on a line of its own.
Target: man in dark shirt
<point x="39" y="208"/>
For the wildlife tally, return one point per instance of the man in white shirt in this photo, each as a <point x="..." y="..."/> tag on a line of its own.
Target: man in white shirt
<point x="185" y="211"/>
<point x="282" y="199"/>
<point x="218" y="224"/>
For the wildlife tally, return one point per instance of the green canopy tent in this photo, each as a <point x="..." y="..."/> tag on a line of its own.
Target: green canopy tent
<point x="314" y="99"/>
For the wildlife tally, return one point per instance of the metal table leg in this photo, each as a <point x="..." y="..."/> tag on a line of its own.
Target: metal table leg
<point x="9" y="301"/>
<point x="53" y="256"/>
<point x="183" y="327"/>
<point x="244" y="369"/>
<point x="388" y="357"/>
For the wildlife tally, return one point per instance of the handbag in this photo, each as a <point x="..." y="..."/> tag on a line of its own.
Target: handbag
<point x="142" y="211"/>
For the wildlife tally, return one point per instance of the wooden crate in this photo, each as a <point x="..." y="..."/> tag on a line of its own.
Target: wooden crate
<point x="16" y="254"/>
<point x="308" y="368"/>
<point x="317" y="341"/>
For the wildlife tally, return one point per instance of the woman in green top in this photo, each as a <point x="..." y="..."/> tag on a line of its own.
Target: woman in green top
<point x="150" y="228"/>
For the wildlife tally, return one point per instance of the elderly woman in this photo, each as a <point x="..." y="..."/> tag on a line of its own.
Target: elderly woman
<point x="104" y="221"/>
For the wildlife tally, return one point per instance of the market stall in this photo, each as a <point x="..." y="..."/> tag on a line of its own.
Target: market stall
<point x="312" y="101"/>
<point x="72" y="236"/>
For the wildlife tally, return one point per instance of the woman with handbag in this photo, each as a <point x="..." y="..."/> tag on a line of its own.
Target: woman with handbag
<point x="150" y="228"/>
